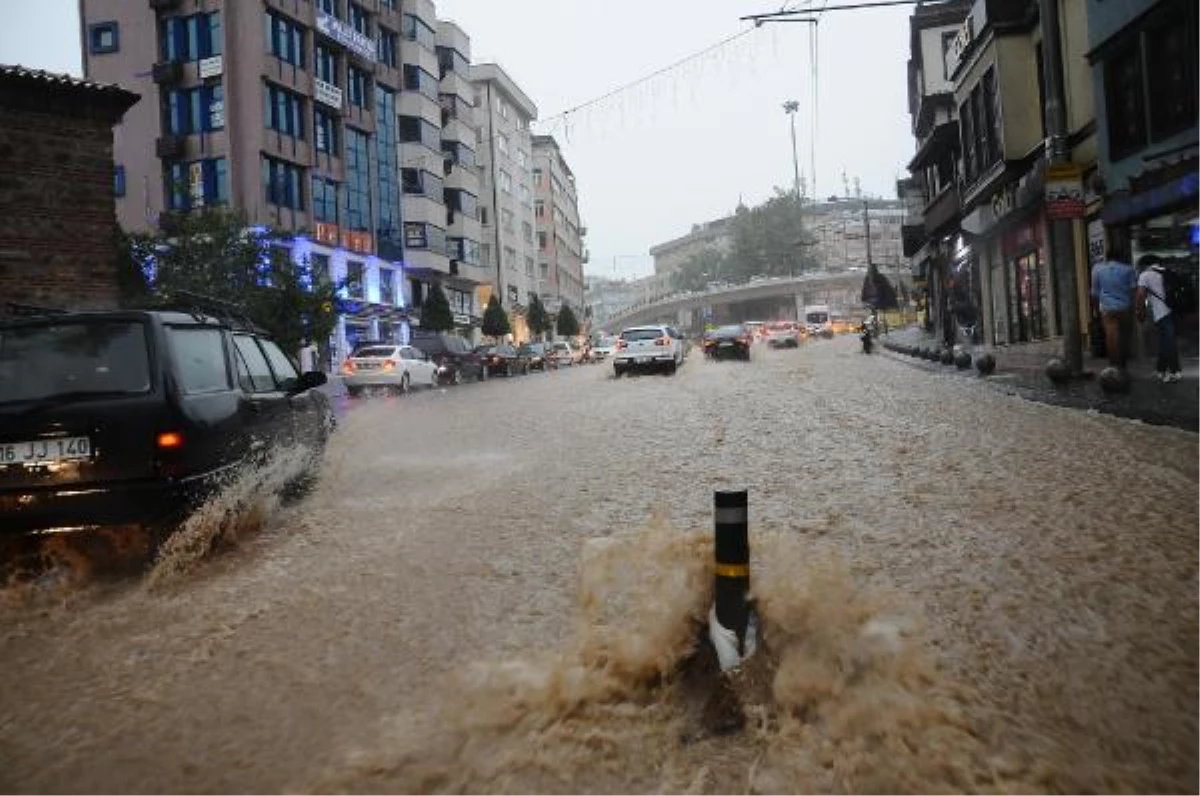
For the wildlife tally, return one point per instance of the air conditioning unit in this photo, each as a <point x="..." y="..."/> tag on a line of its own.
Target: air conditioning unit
<point x="167" y="72"/>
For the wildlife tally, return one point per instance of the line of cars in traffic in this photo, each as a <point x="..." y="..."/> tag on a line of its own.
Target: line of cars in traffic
<point x="433" y="359"/>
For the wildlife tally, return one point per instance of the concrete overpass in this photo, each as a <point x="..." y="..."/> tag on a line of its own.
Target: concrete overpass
<point x="840" y="290"/>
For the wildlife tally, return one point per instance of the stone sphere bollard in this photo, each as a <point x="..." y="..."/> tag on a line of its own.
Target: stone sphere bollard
<point x="962" y="360"/>
<point x="947" y="356"/>
<point x="1057" y="372"/>
<point x="985" y="364"/>
<point x="1114" y="380"/>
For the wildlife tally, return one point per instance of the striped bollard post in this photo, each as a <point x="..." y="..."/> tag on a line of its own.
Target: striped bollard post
<point x="730" y="623"/>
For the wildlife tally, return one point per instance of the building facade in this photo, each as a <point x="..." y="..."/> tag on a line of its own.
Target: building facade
<point x="322" y="120"/>
<point x="508" y="247"/>
<point x="1142" y="59"/>
<point x="670" y="256"/>
<point x="58" y="197"/>
<point x="559" y="232"/>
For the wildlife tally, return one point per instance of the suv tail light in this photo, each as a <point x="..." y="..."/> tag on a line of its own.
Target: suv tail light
<point x="620" y="345"/>
<point x="662" y="341"/>
<point x="348" y="367"/>
<point x="169" y="441"/>
<point x="388" y="364"/>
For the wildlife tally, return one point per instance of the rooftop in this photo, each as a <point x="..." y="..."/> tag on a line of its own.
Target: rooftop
<point x="19" y="79"/>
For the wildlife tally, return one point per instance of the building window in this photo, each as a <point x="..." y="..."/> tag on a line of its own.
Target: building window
<point x="388" y="47"/>
<point x="414" y="236"/>
<point x="1171" y="78"/>
<point x="461" y="201"/>
<point x="416" y="182"/>
<point x="331" y="7"/>
<point x="283" y="183"/>
<point x="506" y="219"/>
<point x="387" y="286"/>
<point x="119" y="181"/>
<point x="194" y="110"/>
<point x="390" y="5"/>
<point x="510" y="257"/>
<point x="358" y="181"/>
<point x="505" y="181"/>
<point x="326" y="63"/>
<point x="355" y="284"/>
<point x="484" y="217"/>
<point x="360" y="87"/>
<point x="324" y="200"/>
<point x="103" y="38"/>
<point x="285" y="39"/>
<point x="325" y="132"/>
<point x="539" y="209"/>
<point x="537" y="177"/>
<point x="528" y="266"/>
<point x="451" y="60"/>
<point x="541" y="237"/>
<point x="360" y="20"/>
<point x="387" y="221"/>
<point x="197" y="184"/>
<point x="414" y="130"/>
<point x="417" y="79"/>
<point x="1126" y="103"/>
<point x="284" y="112"/>
<point x="191" y="38"/>
<point x="527" y="231"/>
<point x="523" y="192"/>
<point x="416" y="30"/>
<point x="459" y="154"/>
<point x="502" y="143"/>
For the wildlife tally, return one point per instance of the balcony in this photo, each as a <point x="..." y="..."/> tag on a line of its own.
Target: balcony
<point x="167" y="73"/>
<point x="942" y="212"/>
<point x="170" y="147"/>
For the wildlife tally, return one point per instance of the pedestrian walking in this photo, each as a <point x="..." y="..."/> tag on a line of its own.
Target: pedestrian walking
<point x="1113" y="286"/>
<point x="1152" y="291"/>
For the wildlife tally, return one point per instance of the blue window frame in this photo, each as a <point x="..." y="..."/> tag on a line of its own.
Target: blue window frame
<point x="284" y="111"/>
<point x="387" y="220"/>
<point x="417" y="79"/>
<point x="415" y="130"/>
<point x="416" y="30"/>
<point x="388" y="47"/>
<point x="326" y="63"/>
<point x="197" y="183"/>
<point x="360" y="86"/>
<point x="118" y="181"/>
<point x="331" y="7"/>
<point x="358" y="181"/>
<point x="191" y="38"/>
<point x="104" y="37"/>
<point x="324" y="200"/>
<point x="360" y="20"/>
<point x="325" y="132"/>
<point x="194" y="110"/>
<point x="283" y="183"/>
<point x="285" y="39"/>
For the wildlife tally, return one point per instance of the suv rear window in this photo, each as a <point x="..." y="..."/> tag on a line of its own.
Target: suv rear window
<point x="378" y="351"/>
<point x="108" y="357"/>
<point x="641" y="334"/>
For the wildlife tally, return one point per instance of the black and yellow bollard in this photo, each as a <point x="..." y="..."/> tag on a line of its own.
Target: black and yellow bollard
<point x="731" y="569"/>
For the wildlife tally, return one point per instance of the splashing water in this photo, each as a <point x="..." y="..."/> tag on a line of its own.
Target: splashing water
<point x="844" y="697"/>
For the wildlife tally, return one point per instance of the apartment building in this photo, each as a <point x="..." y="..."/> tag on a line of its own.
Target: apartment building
<point x="508" y="247"/>
<point x="322" y="119"/>
<point x="561" y="254"/>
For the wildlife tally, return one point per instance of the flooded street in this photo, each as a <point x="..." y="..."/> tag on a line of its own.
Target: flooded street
<point x="493" y="587"/>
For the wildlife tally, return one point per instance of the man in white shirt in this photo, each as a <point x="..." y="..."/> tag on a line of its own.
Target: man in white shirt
<point x="1152" y="290"/>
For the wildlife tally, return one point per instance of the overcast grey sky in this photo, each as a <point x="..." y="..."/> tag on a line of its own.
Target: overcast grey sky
<point x="678" y="149"/>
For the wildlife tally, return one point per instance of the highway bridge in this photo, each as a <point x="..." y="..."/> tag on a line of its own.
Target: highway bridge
<point x="784" y="298"/>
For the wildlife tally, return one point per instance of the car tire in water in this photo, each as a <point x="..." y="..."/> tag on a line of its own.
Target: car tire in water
<point x="405" y="385"/>
<point x="354" y="392"/>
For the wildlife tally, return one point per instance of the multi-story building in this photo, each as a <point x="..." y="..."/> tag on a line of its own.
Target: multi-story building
<point x="670" y="256"/>
<point x="1142" y="57"/>
<point x="319" y="119"/>
<point x="508" y="247"/>
<point x="561" y="254"/>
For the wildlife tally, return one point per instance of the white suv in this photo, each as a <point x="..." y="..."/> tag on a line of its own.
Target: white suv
<point x="647" y="347"/>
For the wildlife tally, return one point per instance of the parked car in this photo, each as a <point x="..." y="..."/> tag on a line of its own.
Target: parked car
<point x="124" y="418"/>
<point x="388" y="368"/>
<point x="647" y="348"/>
<point x="452" y="354"/>
<point x="538" y="355"/>
<point x="729" y="341"/>
<point x="502" y="360"/>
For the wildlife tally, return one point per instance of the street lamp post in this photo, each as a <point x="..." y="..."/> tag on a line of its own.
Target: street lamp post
<point x="790" y="108"/>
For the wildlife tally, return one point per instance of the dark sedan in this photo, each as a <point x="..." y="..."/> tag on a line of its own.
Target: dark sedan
<point x="728" y="342"/>
<point x="538" y="355"/>
<point x="502" y="360"/>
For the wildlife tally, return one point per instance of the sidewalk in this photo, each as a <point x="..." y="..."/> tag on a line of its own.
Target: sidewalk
<point x="1021" y="370"/>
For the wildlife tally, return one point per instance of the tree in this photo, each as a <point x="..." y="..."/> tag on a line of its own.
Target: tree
<point x="435" y="312"/>
<point x="495" y="319"/>
<point x="536" y="317"/>
<point x="707" y="265"/>
<point x="769" y="240"/>
<point x="215" y="253"/>
<point x="877" y="290"/>
<point x="567" y="324"/>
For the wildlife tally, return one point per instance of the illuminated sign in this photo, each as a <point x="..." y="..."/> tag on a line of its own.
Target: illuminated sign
<point x="326" y="233"/>
<point x="346" y="36"/>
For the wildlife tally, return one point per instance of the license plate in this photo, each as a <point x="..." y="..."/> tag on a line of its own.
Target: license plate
<point x="367" y="366"/>
<point x="643" y="360"/>
<point x="45" y="451"/>
<point x="726" y="345"/>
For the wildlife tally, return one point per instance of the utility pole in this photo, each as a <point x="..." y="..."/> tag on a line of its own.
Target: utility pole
<point x="790" y="108"/>
<point x="1062" y="239"/>
<point x="867" y="229"/>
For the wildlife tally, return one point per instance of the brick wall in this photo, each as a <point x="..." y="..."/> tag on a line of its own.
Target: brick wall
<point x="57" y="212"/>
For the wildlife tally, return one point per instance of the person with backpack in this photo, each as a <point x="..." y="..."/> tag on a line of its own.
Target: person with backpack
<point x="1157" y="287"/>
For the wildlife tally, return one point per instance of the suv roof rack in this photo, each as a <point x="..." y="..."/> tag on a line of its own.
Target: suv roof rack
<point x="198" y="305"/>
<point x="18" y="310"/>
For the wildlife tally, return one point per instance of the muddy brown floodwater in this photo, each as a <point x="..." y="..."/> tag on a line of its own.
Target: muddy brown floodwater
<point x="496" y="587"/>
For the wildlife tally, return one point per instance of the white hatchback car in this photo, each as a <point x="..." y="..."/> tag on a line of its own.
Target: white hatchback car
<point x="388" y="368"/>
<point x="647" y="348"/>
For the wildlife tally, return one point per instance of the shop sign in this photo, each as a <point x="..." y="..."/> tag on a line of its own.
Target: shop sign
<point x="346" y="36"/>
<point x="211" y="67"/>
<point x="357" y="241"/>
<point x="962" y="40"/>
<point x="1095" y="241"/>
<point x="327" y="93"/>
<point x="1064" y="192"/>
<point x="326" y="233"/>
<point x="461" y="319"/>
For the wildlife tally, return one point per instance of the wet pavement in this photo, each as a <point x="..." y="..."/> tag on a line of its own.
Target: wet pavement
<point x="494" y="588"/>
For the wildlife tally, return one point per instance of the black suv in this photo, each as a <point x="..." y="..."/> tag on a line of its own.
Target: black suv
<point x="132" y="417"/>
<point x="453" y="355"/>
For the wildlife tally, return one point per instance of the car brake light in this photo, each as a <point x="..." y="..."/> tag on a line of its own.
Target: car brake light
<point x="388" y="364"/>
<point x="662" y="341"/>
<point x="620" y="345"/>
<point x="348" y="368"/>
<point x="169" y="440"/>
